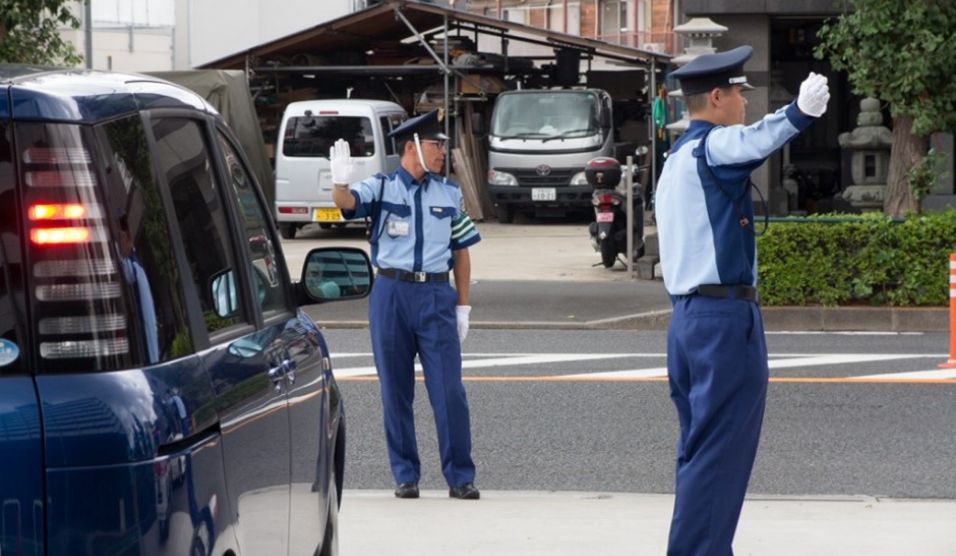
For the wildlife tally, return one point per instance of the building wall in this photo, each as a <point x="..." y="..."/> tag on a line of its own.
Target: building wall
<point x="218" y="28"/>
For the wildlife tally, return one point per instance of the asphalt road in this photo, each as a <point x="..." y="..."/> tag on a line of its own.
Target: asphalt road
<point x="827" y="430"/>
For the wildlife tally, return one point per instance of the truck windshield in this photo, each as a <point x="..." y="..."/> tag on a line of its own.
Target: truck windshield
<point x="313" y="135"/>
<point x="546" y="115"/>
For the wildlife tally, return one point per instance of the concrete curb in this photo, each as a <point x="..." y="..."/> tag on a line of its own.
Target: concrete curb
<point x="823" y="319"/>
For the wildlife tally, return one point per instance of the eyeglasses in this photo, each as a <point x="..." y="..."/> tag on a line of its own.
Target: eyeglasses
<point x="438" y="144"/>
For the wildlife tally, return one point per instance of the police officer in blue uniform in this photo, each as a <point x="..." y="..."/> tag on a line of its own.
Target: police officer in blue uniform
<point x="418" y="234"/>
<point x="716" y="352"/>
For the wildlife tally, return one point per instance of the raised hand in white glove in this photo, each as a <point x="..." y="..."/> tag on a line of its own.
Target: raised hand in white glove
<point x="814" y="95"/>
<point x="340" y="162"/>
<point x="462" y="312"/>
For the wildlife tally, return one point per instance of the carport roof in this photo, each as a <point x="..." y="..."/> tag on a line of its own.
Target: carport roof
<point x="380" y="24"/>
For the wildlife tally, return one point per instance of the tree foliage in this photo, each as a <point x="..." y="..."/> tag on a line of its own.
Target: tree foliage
<point x="29" y="32"/>
<point x="903" y="53"/>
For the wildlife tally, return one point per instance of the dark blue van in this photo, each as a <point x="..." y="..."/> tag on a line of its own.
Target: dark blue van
<point x="160" y="390"/>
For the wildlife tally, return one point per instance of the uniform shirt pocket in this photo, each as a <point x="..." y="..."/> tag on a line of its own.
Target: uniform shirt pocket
<point x="441" y="212"/>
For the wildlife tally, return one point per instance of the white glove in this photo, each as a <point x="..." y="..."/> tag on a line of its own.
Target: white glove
<point x="814" y="94"/>
<point x="340" y="162"/>
<point x="462" y="312"/>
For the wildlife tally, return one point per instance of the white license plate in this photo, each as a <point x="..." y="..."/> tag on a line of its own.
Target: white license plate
<point x="544" y="194"/>
<point x="605" y="217"/>
<point x="327" y="215"/>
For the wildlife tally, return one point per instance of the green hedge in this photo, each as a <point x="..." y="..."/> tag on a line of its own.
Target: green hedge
<point x="852" y="260"/>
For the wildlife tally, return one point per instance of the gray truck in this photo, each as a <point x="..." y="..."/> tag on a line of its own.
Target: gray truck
<point x="538" y="143"/>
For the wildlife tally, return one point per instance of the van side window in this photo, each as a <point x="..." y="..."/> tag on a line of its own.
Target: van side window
<point x="156" y="318"/>
<point x="268" y="280"/>
<point x="386" y="129"/>
<point x="183" y="160"/>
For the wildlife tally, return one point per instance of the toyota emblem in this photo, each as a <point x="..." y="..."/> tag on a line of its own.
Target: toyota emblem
<point x="543" y="170"/>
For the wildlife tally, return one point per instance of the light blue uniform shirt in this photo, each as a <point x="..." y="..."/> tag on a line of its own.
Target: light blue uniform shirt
<point x="700" y="200"/>
<point x="420" y="223"/>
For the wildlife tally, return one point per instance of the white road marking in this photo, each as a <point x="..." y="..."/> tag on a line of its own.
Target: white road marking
<point x="777" y="361"/>
<point x="936" y="374"/>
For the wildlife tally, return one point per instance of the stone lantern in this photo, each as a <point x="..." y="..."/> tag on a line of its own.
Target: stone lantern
<point x="869" y="146"/>
<point x="700" y="33"/>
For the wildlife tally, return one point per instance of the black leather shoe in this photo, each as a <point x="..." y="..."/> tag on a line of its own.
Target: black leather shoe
<point x="406" y="490"/>
<point x="467" y="491"/>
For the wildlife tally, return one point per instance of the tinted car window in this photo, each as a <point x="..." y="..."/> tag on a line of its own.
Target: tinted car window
<point x="267" y="277"/>
<point x="12" y="348"/>
<point x="314" y="135"/>
<point x="147" y="263"/>
<point x="184" y="163"/>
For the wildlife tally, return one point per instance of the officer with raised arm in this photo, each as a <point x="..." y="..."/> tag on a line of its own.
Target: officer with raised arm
<point x="418" y="234"/>
<point x="716" y="352"/>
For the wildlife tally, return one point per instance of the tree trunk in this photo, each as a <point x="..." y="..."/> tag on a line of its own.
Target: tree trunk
<point x="907" y="151"/>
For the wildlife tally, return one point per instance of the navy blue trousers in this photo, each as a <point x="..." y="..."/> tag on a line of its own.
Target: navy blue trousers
<point x="717" y="368"/>
<point x="406" y="319"/>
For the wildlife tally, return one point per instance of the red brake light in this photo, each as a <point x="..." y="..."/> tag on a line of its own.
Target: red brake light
<point x="328" y="112"/>
<point x="60" y="236"/>
<point x="57" y="212"/>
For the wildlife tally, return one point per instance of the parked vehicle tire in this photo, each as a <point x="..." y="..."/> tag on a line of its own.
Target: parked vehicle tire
<point x="330" y="543"/>
<point x="288" y="230"/>
<point x="504" y="213"/>
<point x="608" y="252"/>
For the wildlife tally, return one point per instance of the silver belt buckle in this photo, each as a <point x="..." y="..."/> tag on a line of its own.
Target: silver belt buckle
<point x="420" y="276"/>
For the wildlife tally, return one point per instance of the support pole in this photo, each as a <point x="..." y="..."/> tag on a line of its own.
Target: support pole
<point x="88" y="34"/>
<point x="951" y="364"/>
<point x="447" y="111"/>
<point x="629" y="208"/>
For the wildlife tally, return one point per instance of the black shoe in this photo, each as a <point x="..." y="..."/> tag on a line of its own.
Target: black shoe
<point x="467" y="491"/>
<point x="406" y="490"/>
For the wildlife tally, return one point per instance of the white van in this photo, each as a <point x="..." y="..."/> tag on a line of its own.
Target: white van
<point x="309" y="128"/>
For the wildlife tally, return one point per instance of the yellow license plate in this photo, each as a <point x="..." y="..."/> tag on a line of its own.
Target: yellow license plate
<point x="327" y="215"/>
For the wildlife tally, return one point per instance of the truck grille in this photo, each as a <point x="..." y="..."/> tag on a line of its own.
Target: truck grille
<point x="528" y="177"/>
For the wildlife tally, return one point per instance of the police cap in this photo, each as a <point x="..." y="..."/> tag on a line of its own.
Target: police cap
<point x="427" y="126"/>
<point x="723" y="69"/>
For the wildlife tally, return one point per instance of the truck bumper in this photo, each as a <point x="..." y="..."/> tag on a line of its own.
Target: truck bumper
<point x="520" y="198"/>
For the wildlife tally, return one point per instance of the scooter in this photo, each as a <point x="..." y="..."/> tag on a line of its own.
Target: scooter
<point x="609" y="229"/>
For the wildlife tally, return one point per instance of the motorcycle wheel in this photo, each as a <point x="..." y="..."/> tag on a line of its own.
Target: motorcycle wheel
<point x="608" y="252"/>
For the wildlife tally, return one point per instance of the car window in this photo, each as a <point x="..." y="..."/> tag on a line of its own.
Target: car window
<point x="12" y="348"/>
<point x="314" y="135"/>
<point x="183" y="160"/>
<point x="158" y="314"/>
<point x="268" y="280"/>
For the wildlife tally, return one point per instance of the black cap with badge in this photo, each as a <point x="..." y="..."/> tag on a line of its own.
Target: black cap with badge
<point x="723" y="69"/>
<point x="427" y="126"/>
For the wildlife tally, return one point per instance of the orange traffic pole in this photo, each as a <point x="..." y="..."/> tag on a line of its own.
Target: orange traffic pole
<point x="952" y="313"/>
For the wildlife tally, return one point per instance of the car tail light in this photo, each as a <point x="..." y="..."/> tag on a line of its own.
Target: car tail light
<point x="78" y="289"/>
<point x="293" y="210"/>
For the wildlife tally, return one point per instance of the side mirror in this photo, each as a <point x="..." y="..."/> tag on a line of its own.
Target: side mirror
<point x="224" y="293"/>
<point x="478" y="125"/>
<point x="333" y="274"/>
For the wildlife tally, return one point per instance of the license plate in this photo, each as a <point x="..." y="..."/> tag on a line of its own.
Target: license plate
<point x="327" y="215"/>
<point x="605" y="217"/>
<point x="544" y="194"/>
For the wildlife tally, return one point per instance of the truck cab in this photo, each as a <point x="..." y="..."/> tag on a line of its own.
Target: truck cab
<point x="538" y="144"/>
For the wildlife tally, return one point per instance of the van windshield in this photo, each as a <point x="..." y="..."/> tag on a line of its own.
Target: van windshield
<point x="546" y="115"/>
<point x="314" y="135"/>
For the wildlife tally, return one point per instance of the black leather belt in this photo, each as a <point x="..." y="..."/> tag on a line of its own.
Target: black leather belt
<point x="735" y="291"/>
<point x="417" y="277"/>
